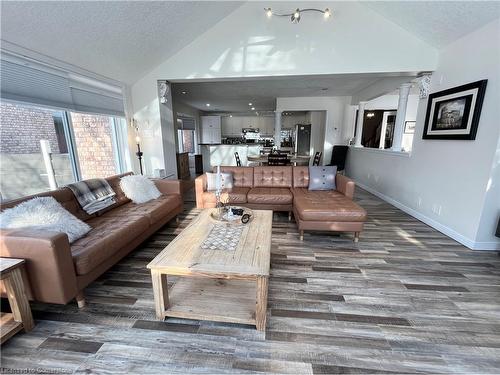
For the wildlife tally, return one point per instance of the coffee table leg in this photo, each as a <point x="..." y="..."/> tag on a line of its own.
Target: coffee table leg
<point x="261" y="312"/>
<point x="160" y="292"/>
<point x="18" y="300"/>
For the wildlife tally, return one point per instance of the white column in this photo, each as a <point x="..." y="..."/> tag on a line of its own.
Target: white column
<point x="47" y="159"/>
<point x="359" y="124"/>
<point x="277" y="129"/>
<point x="397" y="140"/>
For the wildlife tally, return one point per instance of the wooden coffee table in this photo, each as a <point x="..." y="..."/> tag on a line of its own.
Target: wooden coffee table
<point x="20" y="318"/>
<point x="218" y="285"/>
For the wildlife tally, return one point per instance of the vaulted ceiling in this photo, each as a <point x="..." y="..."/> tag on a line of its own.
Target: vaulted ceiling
<point x="124" y="40"/>
<point x="438" y="23"/>
<point x="121" y="40"/>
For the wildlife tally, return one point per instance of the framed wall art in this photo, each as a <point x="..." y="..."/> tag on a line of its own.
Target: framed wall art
<point x="454" y="113"/>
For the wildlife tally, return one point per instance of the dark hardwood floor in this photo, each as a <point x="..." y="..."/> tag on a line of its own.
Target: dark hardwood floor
<point x="405" y="299"/>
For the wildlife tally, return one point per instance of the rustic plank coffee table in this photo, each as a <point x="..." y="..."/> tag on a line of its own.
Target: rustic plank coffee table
<point x="215" y="284"/>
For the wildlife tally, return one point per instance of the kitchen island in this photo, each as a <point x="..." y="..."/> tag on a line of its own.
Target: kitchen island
<point x="220" y="154"/>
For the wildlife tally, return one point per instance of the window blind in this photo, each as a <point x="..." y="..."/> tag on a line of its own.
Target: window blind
<point x="35" y="83"/>
<point x="188" y="123"/>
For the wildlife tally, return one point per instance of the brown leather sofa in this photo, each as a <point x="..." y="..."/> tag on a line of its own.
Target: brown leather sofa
<point x="58" y="271"/>
<point x="286" y="189"/>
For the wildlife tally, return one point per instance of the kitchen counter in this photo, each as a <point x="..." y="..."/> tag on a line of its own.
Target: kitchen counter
<point x="220" y="154"/>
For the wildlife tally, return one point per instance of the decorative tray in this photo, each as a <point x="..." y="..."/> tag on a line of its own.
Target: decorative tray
<point x="232" y="214"/>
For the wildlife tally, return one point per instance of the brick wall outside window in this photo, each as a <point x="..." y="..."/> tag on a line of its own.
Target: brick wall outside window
<point x="93" y="137"/>
<point x="22" y="128"/>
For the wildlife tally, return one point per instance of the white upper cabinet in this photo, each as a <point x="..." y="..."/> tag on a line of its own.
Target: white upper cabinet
<point x="210" y="129"/>
<point x="233" y="126"/>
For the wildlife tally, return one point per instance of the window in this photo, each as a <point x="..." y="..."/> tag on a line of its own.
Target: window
<point x="378" y="128"/>
<point x="186" y="134"/>
<point x="22" y="170"/>
<point x="82" y="146"/>
<point x="186" y="140"/>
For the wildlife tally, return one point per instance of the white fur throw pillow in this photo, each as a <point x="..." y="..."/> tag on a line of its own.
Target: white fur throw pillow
<point x="139" y="189"/>
<point x="44" y="213"/>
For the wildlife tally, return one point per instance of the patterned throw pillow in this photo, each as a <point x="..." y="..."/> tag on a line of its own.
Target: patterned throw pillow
<point x="322" y="178"/>
<point x="226" y="181"/>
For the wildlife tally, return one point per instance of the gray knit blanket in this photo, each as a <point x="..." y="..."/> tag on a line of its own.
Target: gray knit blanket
<point x="93" y="195"/>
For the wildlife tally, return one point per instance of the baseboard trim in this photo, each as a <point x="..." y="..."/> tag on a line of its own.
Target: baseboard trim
<point x="488" y="246"/>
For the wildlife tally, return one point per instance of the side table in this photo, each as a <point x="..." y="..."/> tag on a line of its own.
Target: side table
<point x="20" y="318"/>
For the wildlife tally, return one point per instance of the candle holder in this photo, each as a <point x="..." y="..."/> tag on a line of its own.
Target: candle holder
<point x="139" y="153"/>
<point x="221" y="204"/>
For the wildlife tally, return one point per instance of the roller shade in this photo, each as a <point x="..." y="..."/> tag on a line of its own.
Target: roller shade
<point x="188" y="123"/>
<point x="35" y="83"/>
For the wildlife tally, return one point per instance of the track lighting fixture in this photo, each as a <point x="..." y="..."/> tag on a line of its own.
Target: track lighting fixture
<point x="295" y="15"/>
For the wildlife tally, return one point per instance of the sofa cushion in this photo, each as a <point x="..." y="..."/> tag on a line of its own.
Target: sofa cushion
<point x="326" y="206"/>
<point x="155" y="209"/>
<point x="110" y="233"/>
<point x="275" y="195"/>
<point x="272" y="176"/>
<point x="300" y="176"/>
<point x="236" y="196"/>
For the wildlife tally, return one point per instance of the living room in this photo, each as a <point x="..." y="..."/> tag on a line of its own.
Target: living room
<point x="283" y="259"/>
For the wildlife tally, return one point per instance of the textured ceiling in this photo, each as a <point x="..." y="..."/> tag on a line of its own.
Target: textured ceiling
<point x="234" y="96"/>
<point x="438" y="23"/>
<point x="125" y="39"/>
<point x="118" y="39"/>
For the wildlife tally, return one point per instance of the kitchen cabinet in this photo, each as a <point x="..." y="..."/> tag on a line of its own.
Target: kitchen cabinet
<point x="233" y="126"/>
<point x="210" y="129"/>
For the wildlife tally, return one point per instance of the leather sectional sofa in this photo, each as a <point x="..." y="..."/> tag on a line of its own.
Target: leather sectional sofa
<point x="58" y="271"/>
<point x="286" y="189"/>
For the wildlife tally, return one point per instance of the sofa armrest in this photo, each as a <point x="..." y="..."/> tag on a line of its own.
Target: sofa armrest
<point x="49" y="264"/>
<point x="200" y="186"/>
<point x="168" y="186"/>
<point x="345" y="185"/>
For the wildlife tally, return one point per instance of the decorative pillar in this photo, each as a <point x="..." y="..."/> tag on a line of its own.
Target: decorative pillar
<point x="359" y="124"/>
<point x="277" y="129"/>
<point x="397" y="140"/>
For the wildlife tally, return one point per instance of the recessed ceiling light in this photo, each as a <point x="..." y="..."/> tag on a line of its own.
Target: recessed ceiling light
<point x="253" y="108"/>
<point x="249" y="103"/>
<point x="208" y="104"/>
<point x="230" y="115"/>
<point x="184" y="92"/>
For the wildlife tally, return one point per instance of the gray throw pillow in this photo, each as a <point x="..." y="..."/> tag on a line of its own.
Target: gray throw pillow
<point x="322" y="178"/>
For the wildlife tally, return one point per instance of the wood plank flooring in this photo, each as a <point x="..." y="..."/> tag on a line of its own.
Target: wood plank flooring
<point x="405" y="299"/>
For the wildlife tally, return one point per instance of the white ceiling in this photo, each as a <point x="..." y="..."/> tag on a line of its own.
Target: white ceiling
<point x="234" y="96"/>
<point x="121" y="40"/>
<point x="125" y="39"/>
<point x="438" y="23"/>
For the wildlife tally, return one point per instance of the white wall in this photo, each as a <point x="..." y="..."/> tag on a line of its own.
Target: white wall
<point x="334" y="107"/>
<point x="247" y="44"/>
<point x="451" y="185"/>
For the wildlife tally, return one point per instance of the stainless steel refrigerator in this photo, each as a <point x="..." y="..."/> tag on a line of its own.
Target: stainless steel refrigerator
<point x="303" y="139"/>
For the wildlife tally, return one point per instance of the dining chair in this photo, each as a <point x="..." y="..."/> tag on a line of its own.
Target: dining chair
<point x="317" y="158"/>
<point x="339" y="154"/>
<point x="238" y="161"/>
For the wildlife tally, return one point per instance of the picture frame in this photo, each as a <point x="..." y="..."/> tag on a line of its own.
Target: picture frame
<point x="410" y="127"/>
<point x="454" y="113"/>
